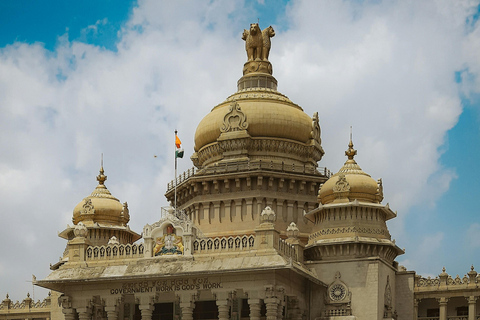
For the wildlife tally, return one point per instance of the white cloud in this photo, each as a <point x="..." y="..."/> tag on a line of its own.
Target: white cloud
<point x="386" y="68"/>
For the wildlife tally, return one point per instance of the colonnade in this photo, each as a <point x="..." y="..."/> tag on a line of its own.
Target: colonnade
<point x="443" y="308"/>
<point x="273" y="298"/>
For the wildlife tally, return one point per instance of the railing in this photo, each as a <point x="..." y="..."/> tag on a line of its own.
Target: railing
<point x="287" y="250"/>
<point x="239" y="243"/>
<point x="428" y="318"/>
<point x="248" y="165"/>
<point x="25" y="304"/>
<point x="338" y="312"/>
<point x="115" y="251"/>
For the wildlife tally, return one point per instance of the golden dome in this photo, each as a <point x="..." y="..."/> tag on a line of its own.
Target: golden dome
<point x="268" y="113"/>
<point x="100" y="207"/>
<point x="258" y="123"/>
<point x="351" y="183"/>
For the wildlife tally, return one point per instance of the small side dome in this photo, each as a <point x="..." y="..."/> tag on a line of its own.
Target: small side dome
<point x="351" y="183"/>
<point x="101" y="207"/>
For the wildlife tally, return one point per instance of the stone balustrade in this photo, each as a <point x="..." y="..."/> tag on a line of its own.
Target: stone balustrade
<point x="287" y="250"/>
<point x="471" y="279"/>
<point x="115" y="251"/>
<point x="224" y="244"/>
<point x="238" y="166"/>
<point x="26" y="304"/>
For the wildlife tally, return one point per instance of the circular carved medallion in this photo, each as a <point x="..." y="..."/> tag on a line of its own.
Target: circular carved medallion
<point x="338" y="292"/>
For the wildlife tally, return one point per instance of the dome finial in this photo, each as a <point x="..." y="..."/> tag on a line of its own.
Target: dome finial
<point x="101" y="177"/>
<point x="350" y="153"/>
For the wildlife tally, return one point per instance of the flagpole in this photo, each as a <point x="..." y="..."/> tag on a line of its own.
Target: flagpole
<point x="175" y="153"/>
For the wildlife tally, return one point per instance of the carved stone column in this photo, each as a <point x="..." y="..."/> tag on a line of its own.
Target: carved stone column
<point x="472" y="307"/>
<point x="84" y="313"/>
<point x="146" y="310"/>
<point x="272" y="308"/>
<point x="69" y="313"/>
<point x="255" y="308"/>
<point x="112" y="313"/>
<point x="442" y="303"/>
<point x="187" y="310"/>
<point x="187" y="304"/>
<point x="112" y="309"/>
<point x="224" y="302"/>
<point x="223" y="310"/>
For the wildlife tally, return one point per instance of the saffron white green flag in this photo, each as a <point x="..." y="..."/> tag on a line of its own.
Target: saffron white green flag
<point x="179" y="151"/>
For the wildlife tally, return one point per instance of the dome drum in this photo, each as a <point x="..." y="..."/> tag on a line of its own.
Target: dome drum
<point x="257" y="80"/>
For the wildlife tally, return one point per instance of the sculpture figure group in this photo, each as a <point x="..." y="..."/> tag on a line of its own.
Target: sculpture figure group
<point x="257" y="42"/>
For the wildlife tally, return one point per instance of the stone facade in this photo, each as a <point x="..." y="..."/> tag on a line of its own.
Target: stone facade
<point x="259" y="231"/>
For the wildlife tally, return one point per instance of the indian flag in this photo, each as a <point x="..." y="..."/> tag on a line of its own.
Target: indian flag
<point x="178" y="144"/>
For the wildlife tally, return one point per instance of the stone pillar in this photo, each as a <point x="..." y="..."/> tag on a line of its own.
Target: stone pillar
<point x="224" y="302"/>
<point x="255" y="308"/>
<point x="112" y="308"/>
<point x="187" y="304"/>
<point x="272" y="308"/>
<point x="472" y="307"/>
<point x="84" y="313"/>
<point x="187" y="310"/>
<point x="69" y="313"/>
<point x="223" y="309"/>
<point x="146" y="305"/>
<point x="146" y="310"/>
<point x="442" y="302"/>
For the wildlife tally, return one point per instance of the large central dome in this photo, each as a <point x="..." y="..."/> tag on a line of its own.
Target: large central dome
<point x="258" y="123"/>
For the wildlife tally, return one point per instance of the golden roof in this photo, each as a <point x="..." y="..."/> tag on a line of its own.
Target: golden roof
<point x="101" y="207"/>
<point x="351" y="183"/>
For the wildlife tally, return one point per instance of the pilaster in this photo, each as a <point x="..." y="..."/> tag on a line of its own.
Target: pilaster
<point x="472" y="307"/>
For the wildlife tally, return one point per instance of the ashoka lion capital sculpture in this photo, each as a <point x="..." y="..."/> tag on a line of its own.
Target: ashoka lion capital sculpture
<point x="257" y="45"/>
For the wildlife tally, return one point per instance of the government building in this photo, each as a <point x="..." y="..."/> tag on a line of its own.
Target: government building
<point x="257" y="230"/>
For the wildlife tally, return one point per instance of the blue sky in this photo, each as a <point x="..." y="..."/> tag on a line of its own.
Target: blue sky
<point x="81" y="78"/>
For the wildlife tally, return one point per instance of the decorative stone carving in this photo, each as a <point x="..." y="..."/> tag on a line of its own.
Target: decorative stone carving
<point x="168" y="244"/>
<point x="125" y="212"/>
<point x="293" y="231"/>
<point x="338" y="299"/>
<point x="315" y="134"/>
<point x="80" y="230"/>
<point x="387" y="312"/>
<point x="253" y="42"/>
<point x="88" y="207"/>
<point x="258" y="43"/>
<point x="380" y="188"/>
<point x="268" y="215"/>
<point x="235" y="119"/>
<point x="267" y="33"/>
<point x="341" y="188"/>
<point x="113" y="241"/>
